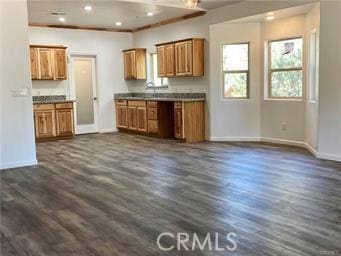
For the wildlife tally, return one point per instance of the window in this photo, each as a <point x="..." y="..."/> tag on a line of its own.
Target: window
<point x="236" y="70"/>
<point x="285" y="68"/>
<point x="159" y="82"/>
<point x="313" y="66"/>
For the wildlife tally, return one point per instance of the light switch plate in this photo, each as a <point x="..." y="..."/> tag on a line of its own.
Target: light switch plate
<point x="22" y="92"/>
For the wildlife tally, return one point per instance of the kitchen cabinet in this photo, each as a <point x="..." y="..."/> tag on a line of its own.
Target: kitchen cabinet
<point x="166" y="60"/>
<point x="44" y="123"/>
<point x="64" y="119"/>
<point x="121" y="114"/>
<point x="34" y="63"/>
<point x="178" y="121"/>
<point x="48" y="62"/>
<point x="181" y="58"/>
<point x="137" y="116"/>
<point x="52" y="121"/>
<point x="135" y="67"/>
<point x="181" y="120"/>
<point x="45" y="64"/>
<point x="60" y="64"/>
<point x="189" y="121"/>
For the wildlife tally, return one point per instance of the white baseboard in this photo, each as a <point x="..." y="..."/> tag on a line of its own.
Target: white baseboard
<point x="329" y="157"/>
<point x="227" y="139"/>
<point x="312" y="150"/>
<point x="11" y="165"/>
<point x="284" y="142"/>
<point x="109" y="130"/>
<point x="279" y="141"/>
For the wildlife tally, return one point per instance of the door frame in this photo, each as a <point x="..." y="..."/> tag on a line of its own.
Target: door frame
<point x="89" y="128"/>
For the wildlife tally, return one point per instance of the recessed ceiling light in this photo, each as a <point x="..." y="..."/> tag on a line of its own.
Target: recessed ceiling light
<point x="118" y="23"/>
<point x="61" y="19"/>
<point x="88" y="8"/>
<point x="150" y="14"/>
<point x="271" y="17"/>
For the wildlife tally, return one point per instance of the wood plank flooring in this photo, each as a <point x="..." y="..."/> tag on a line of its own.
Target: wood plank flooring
<point x="113" y="194"/>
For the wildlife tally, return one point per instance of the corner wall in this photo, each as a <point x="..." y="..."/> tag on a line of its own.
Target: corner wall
<point x="329" y="81"/>
<point x="235" y="119"/>
<point x="292" y="112"/>
<point x="17" y="135"/>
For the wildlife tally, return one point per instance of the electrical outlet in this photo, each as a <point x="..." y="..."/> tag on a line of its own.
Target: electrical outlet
<point x="284" y="126"/>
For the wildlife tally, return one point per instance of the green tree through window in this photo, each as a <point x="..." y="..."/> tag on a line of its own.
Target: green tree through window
<point x="285" y="73"/>
<point x="236" y="70"/>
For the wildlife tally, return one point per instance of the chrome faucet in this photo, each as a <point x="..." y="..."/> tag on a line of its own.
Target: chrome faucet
<point x="151" y="85"/>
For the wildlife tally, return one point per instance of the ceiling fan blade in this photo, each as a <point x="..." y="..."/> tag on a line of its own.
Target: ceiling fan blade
<point x="167" y="3"/>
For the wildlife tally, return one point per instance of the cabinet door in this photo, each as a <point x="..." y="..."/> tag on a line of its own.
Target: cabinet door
<point x="142" y="119"/>
<point x="161" y="61"/>
<point x="180" y="58"/>
<point x="169" y="60"/>
<point x="178" y="121"/>
<point x="60" y="64"/>
<point x="189" y="58"/>
<point x="44" y="124"/>
<point x="132" y="117"/>
<point x="46" y="63"/>
<point x="64" y="119"/>
<point x="121" y="117"/>
<point x="34" y="63"/>
<point x="129" y="65"/>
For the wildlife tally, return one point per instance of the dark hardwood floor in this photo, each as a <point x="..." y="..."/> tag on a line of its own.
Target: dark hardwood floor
<point x="113" y="194"/>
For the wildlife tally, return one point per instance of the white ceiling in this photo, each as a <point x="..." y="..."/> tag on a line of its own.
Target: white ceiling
<point x="104" y="14"/>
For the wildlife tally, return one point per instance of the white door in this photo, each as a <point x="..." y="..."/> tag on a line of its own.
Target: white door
<point x="84" y="91"/>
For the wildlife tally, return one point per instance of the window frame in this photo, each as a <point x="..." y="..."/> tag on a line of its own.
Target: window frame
<point x="247" y="72"/>
<point x="163" y="80"/>
<point x="271" y="71"/>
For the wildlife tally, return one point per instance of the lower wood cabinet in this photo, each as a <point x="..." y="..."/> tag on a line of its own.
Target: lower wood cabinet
<point x="181" y="120"/>
<point x="44" y="123"/>
<point x="53" y="120"/>
<point x="189" y="121"/>
<point x="64" y="124"/>
<point x="178" y="121"/>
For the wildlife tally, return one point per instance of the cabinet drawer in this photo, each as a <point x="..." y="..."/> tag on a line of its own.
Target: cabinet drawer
<point x="152" y="104"/>
<point x="121" y="102"/>
<point x="152" y="113"/>
<point x="153" y="126"/>
<point x="43" y="107"/>
<point x="177" y="105"/>
<point x="137" y="103"/>
<point x="64" y="105"/>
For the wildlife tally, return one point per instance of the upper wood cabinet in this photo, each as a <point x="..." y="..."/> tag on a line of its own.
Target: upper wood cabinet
<point x="60" y="62"/>
<point x="135" y="64"/>
<point x="45" y="64"/>
<point x="166" y="64"/>
<point x="181" y="58"/>
<point x="34" y="63"/>
<point x="48" y="62"/>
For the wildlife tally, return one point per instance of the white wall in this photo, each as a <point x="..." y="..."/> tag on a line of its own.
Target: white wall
<point x="329" y="82"/>
<point x="311" y="114"/>
<point x="17" y="135"/>
<point x="107" y="46"/>
<point x="276" y="112"/>
<point x="233" y="119"/>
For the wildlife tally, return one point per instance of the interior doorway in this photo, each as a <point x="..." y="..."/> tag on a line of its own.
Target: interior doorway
<point x="84" y="91"/>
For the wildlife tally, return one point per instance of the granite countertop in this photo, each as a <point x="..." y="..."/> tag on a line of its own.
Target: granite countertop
<point x="51" y="99"/>
<point x="183" y="97"/>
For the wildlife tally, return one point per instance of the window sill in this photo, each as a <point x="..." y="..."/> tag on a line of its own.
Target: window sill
<point x="161" y="87"/>
<point x="283" y="99"/>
